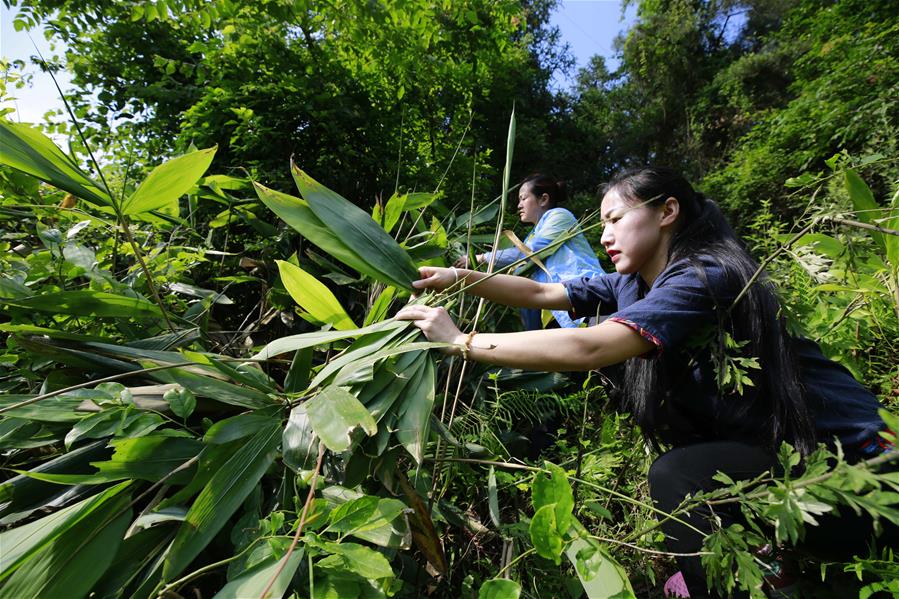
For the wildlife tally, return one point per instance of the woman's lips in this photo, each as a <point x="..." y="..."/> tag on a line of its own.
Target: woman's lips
<point x="613" y="255"/>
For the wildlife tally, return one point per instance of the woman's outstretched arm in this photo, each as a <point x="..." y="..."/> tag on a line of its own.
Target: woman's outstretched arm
<point x="509" y="290"/>
<point x="554" y="350"/>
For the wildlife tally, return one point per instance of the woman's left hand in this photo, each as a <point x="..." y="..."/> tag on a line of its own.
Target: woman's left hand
<point x="435" y="323"/>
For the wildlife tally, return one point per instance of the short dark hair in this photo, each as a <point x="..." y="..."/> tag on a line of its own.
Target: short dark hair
<point x="542" y="183"/>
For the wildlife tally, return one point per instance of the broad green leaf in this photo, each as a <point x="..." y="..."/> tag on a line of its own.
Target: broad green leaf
<point x="602" y="577"/>
<point x="353" y="514"/>
<point x="378" y="397"/>
<point x="334" y="414"/>
<point x="358" y="231"/>
<point x="393" y="210"/>
<point x="147" y="458"/>
<point x="221" y="496"/>
<point x="182" y="401"/>
<point x="53" y="409"/>
<point x="77" y="553"/>
<point x="296" y="213"/>
<point x="313" y="296"/>
<point x="297" y="377"/>
<point x="238" y="427"/>
<point x="295" y="342"/>
<point x="554" y="489"/>
<point x="414" y="421"/>
<point x="26" y="149"/>
<point x="255" y="580"/>
<point x="545" y="534"/>
<point x="419" y="199"/>
<point x="349" y="374"/>
<point x="356" y="355"/>
<point x="500" y="588"/>
<point x="824" y="244"/>
<point x="169" y="181"/>
<point x="867" y="209"/>
<point x="356" y="558"/>
<point x="135" y="553"/>
<point x="207" y="386"/>
<point x="121" y="422"/>
<point x="86" y="302"/>
<point x="22" y="541"/>
<point x="385" y="527"/>
<point x="299" y="443"/>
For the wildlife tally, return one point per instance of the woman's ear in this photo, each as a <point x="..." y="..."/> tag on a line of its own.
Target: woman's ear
<point x="544" y="200"/>
<point x="670" y="211"/>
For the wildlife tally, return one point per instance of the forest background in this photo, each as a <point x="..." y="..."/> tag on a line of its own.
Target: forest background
<point x="785" y="112"/>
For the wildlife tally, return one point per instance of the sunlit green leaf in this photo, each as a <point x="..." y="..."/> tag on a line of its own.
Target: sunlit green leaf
<point x="500" y="588"/>
<point x="169" y="181"/>
<point x="313" y="296"/>
<point x="255" y="580"/>
<point x="26" y="149"/>
<point x="544" y="534"/>
<point x="358" y="231"/>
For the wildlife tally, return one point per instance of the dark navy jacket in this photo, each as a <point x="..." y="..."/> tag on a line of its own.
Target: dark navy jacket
<point x="681" y="303"/>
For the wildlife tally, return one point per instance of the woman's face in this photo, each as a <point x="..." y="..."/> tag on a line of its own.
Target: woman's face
<point x="633" y="236"/>
<point x="530" y="207"/>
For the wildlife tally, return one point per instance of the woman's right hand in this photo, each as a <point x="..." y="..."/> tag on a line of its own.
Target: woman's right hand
<point x="434" y="277"/>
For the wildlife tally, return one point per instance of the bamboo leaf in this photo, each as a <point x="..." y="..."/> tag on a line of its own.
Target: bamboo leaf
<point x="863" y="201"/>
<point x="334" y="414"/>
<point x="76" y="554"/>
<point x="221" y="496"/>
<point x="393" y="211"/>
<point x="255" y="580"/>
<point x="415" y="416"/>
<point x="357" y="229"/>
<point x="493" y="498"/>
<point x="296" y="342"/>
<point x="26" y="149"/>
<point x="299" y="442"/>
<point x="313" y="296"/>
<point x="296" y="213"/>
<point x="86" y="302"/>
<point x="206" y="386"/>
<point x="169" y="181"/>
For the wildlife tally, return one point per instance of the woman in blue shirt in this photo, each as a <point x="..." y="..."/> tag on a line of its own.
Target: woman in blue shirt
<point x="539" y="199"/>
<point x="683" y="281"/>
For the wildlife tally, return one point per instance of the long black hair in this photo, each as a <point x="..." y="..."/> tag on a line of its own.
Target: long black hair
<point x="703" y="232"/>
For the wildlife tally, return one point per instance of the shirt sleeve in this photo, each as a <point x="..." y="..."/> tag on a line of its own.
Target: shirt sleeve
<point x="592" y="296"/>
<point x="504" y="257"/>
<point x="681" y="301"/>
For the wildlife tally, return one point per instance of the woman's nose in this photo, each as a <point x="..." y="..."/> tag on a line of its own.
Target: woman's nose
<point x="606" y="237"/>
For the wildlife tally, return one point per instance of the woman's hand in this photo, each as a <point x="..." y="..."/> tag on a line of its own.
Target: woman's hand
<point x="434" y="277"/>
<point x="435" y="323"/>
<point x="462" y="261"/>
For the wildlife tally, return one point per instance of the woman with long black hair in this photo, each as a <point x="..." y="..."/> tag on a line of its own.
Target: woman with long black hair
<point x="685" y="296"/>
